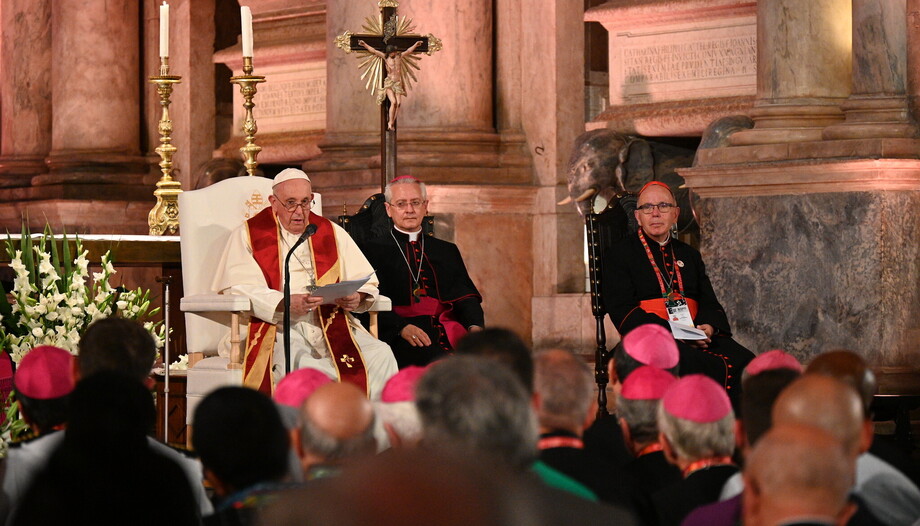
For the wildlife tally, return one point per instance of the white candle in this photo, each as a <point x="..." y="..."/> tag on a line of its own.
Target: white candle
<point x="246" y="16"/>
<point x="164" y="30"/>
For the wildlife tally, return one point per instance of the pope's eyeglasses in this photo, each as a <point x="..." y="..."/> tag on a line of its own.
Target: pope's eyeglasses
<point x="290" y="205"/>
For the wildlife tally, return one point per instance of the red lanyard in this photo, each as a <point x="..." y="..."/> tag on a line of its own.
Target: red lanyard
<point x="707" y="463"/>
<point x="651" y="448"/>
<point x="552" y="442"/>
<point x="651" y="259"/>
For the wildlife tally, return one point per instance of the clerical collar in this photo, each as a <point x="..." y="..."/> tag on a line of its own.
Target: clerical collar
<point x="666" y="240"/>
<point x="413" y="236"/>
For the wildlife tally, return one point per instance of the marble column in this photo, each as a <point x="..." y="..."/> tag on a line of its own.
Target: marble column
<point x="809" y="223"/>
<point x="803" y="70"/>
<point x="95" y="94"/>
<point x="878" y="106"/>
<point x="25" y="90"/>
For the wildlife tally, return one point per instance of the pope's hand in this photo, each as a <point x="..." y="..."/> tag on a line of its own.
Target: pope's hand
<point x="302" y="304"/>
<point x="350" y="303"/>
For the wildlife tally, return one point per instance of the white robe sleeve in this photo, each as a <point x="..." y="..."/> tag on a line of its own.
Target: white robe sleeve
<point x="238" y="273"/>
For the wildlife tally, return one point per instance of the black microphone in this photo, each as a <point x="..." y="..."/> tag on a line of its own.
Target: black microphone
<point x="309" y="231"/>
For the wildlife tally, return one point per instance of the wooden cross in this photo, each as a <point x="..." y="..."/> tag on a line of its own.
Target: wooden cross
<point x="388" y="45"/>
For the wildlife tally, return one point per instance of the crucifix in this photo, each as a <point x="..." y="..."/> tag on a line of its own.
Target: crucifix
<point x="387" y="52"/>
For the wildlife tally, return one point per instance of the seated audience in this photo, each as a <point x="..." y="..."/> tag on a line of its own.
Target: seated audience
<point x="289" y="396"/>
<point x="336" y="427"/>
<point x="797" y="475"/>
<point x="507" y="348"/>
<point x="125" y="347"/>
<point x="433" y="487"/>
<point x="827" y="403"/>
<point x="43" y="383"/>
<point x="773" y="370"/>
<point x="503" y="346"/>
<point x="104" y="471"/>
<point x="244" y="449"/>
<point x="564" y="389"/>
<point x="696" y="423"/>
<point x="764" y="379"/>
<point x="650" y="345"/>
<point x="473" y="408"/>
<point x="637" y="411"/>
<point x="398" y="423"/>
<point x="852" y="369"/>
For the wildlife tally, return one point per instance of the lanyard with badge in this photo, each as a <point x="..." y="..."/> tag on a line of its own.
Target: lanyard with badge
<point x="674" y="301"/>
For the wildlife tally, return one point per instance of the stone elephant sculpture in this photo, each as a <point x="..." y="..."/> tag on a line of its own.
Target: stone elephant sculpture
<point x="607" y="167"/>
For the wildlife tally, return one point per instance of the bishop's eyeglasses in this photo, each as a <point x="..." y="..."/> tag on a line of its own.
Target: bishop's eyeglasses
<point x="402" y="205"/>
<point x="663" y="208"/>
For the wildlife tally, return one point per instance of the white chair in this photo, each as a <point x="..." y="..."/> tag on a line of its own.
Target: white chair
<point x="207" y="217"/>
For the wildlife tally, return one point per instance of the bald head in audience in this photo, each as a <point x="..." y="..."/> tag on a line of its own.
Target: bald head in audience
<point x="828" y="404"/>
<point x="337" y="425"/>
<point x="797" y="472"/>
<point x="851" y="369"/>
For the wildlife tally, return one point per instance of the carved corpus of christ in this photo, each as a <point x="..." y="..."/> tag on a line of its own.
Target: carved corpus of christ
<point x="387" y="50"/>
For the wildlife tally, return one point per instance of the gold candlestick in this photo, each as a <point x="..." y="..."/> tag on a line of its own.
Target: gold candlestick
<point x="248" y="86"/>
<point x="164" y="216"/>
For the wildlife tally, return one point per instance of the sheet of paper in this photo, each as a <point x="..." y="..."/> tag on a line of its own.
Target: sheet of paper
<point x="686" y="332"/>
<point x="334" y="291"/>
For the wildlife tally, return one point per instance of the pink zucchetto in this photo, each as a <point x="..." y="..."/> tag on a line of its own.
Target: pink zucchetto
<point x="288" y="174"/>
<point x="401" y="386"/>
<point x="44" y="373"/>
<point x="297" y="386"/>
<point x="647" y="383"/>
<point x="697" y="398"/>
<point x="653" y="345"/>
<point x="775" y="359"/>
<point x="404" y="178"/>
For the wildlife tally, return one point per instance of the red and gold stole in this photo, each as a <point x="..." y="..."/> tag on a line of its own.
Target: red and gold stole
<point x="260" y="343"/>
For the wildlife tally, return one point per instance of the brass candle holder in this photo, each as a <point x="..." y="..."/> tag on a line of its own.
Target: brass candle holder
<point x="248" y="86"/>
<point x="164" y="216"/>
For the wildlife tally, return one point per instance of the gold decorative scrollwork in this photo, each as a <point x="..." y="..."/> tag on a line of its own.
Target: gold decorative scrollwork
<point x="434" y="44"/>
<point x="343" y="41"/>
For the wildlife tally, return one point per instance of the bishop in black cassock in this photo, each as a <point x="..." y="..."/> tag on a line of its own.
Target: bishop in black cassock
<point x="645" y="272"/>
<point x="434" y="300"/>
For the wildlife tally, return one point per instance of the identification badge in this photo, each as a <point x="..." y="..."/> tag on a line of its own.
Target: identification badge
<point x="679" y="312"/>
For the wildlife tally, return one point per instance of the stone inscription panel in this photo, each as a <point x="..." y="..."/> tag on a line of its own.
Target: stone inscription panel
<point x="684" y="63"/>
<point x="289" y="101"/>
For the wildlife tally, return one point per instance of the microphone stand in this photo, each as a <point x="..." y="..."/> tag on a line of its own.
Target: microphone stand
<point x="310" y="230"/>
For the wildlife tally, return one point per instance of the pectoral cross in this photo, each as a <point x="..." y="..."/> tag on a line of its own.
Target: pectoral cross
<point x="347" y="360"/>
<point x="388" y="62"/>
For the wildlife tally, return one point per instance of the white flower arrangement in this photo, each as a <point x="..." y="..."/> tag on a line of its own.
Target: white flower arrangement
<point x="52" y="301"/>
<point x="181" y="364"/>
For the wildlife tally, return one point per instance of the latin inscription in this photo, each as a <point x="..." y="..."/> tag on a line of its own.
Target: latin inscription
<point x="292" y="98"/>
<point x="700" y="60"/>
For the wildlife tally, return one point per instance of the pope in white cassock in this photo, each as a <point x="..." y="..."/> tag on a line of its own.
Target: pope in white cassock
<point x="324" y="334"/>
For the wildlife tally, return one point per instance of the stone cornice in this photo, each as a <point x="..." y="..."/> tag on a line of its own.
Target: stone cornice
<point x="803" y="177"/>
